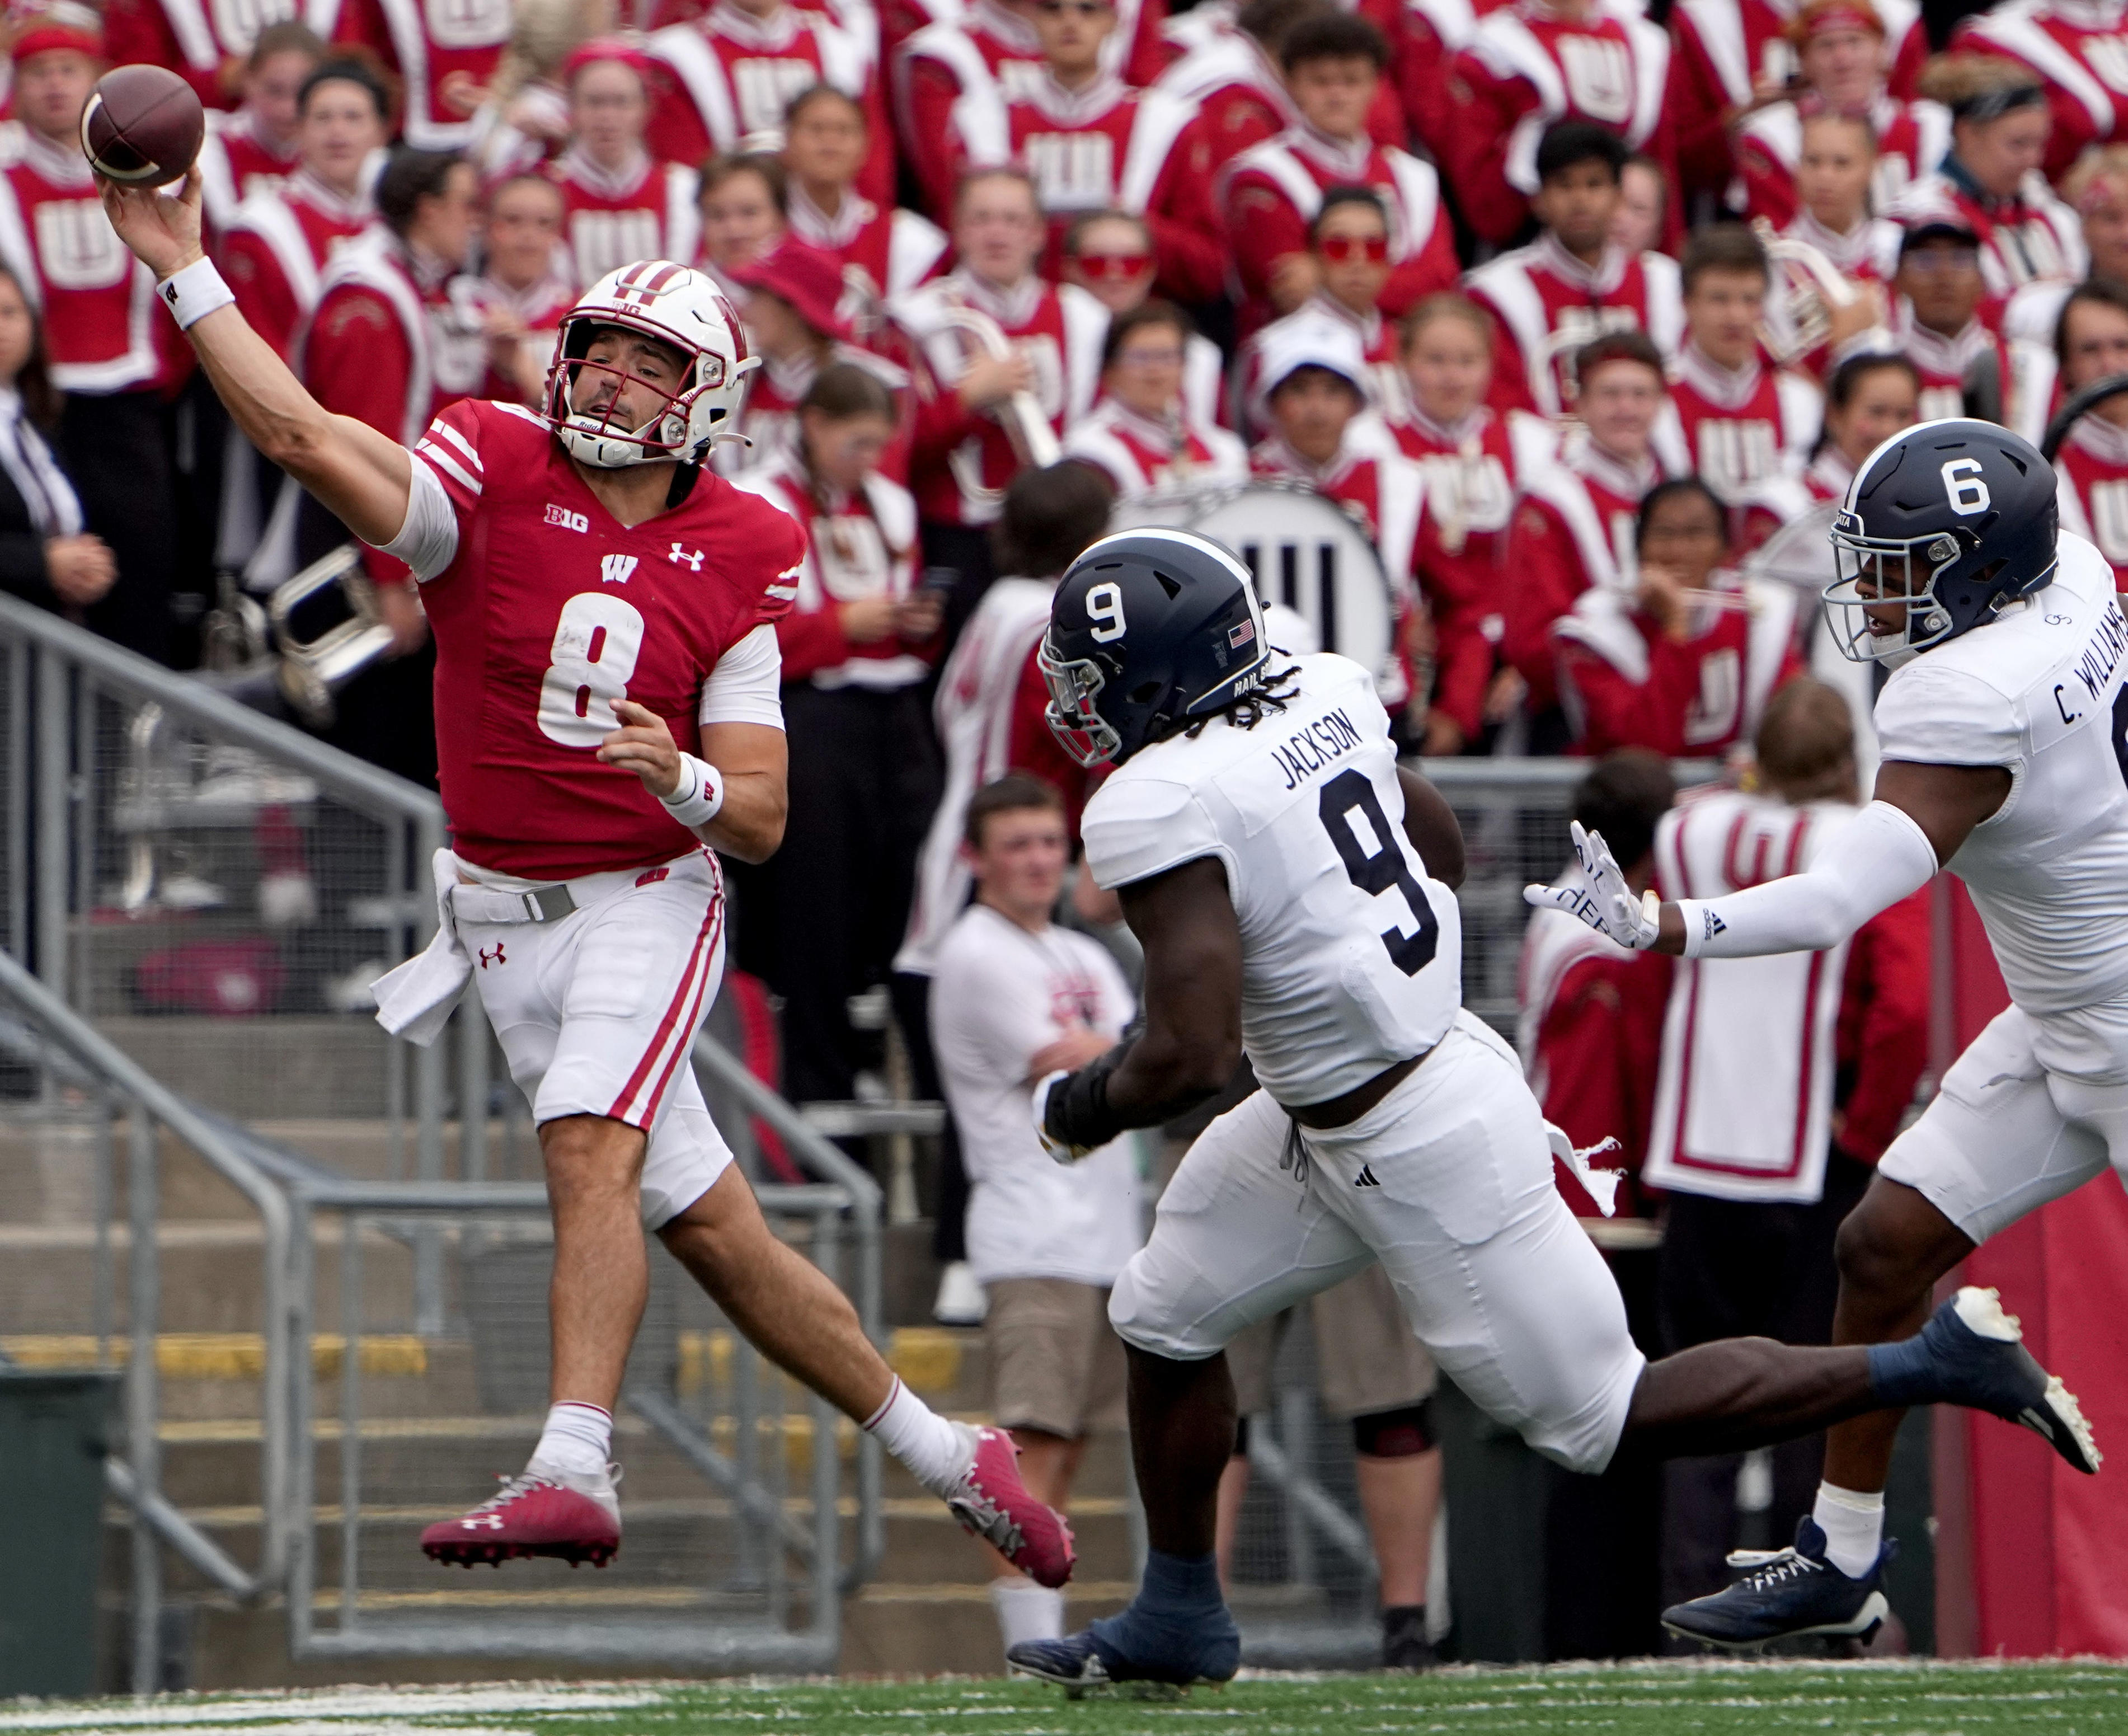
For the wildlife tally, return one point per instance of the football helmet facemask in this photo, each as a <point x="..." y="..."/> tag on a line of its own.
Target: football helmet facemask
<point x="1944" y="525"/>
<point x="680" y="307"/>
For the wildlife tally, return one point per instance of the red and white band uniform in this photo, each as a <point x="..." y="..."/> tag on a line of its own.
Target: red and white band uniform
<point x="1740" y="427"/>
<point x="2079" y="49"/>
<point x="274" y="251"/>
<point x="962" y="459"/>
<point x="647" y="211"/>
<point x="952" y="82"/>
<point x="546" y="610"/>
<point x="1627" y="680"/>
<point x="728" y="78"/>
<point x="235" y="162"/>
<point x="768" y="416"/>
<point x="1270" y="195"/>
<point x="1239" y="95"/>
<point x="2091" y="483"/>
<point x="1779" y="499"/>
<point x="1573" y="529"/>
<point x="1388" y="391"/>
<point x="1140" y="456"/>
<point x="1727" y="51"/>
<point x="2028" y="238"/>
<point x="1912" y="139"/>
<point x="883" y="249"/>
<point x="1753" y="1049"/>
<point x="857" y="546"/>
<point x="1526" y="67"/>
<point x="1943" y="363"/>
<point x="1433" y="33"/>
<point x="1546" y="303"/>
<point x="195" y="39"/>
<point x="444" y="52"/>
<point x="539" y="306"/>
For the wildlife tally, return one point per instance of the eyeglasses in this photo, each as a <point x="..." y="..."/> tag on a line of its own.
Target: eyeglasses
<point x="1100" y="268"/>
<point x="1347" y="249"/>
<point x="1162" y="358"/>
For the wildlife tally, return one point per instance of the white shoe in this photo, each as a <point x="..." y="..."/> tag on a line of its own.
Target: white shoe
<point x="961" y="1301"/>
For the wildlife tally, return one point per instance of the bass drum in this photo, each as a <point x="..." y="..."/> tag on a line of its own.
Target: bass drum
<point x="1305" y="552"/>
<point x="1799" y="554"/>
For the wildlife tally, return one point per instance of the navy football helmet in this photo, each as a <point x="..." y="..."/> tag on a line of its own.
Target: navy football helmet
<point x="1151" y="631"/>
<point x="1955" y="519"/>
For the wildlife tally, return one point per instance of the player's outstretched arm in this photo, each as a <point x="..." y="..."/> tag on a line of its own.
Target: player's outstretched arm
<point x="749" y="761"/>
<point x="363" y="477"/>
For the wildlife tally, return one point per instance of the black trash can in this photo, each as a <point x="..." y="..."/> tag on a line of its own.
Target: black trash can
<point x="55" y="1430"/>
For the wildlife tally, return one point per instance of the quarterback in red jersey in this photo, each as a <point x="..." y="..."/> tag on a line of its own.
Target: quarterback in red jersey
<point x="603" y="608"/>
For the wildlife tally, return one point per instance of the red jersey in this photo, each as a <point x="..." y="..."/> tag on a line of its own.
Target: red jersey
<point x="1572" y="530"/>
<point x="2091" y="482"/>
<point x="274" y="251"/>
<point x="550" y="610"/>
<point x="1546" y="304"/>
<point x="858" y="545"/>
<point x="1626" y="683"/>
<point x="1739" y="429"/>
<point x="431" y="44"/>
<point x="102" y="332"/>
<point x="962" y="459"/>
<point x="726" y="80"/>
<point x="1726" y="47"/>
<point x="193" y="38"/>
<point x="1912" y="139"/>
<point x="1139" y="456"/>
<point x="2078" y="49"/>
<point x="1433" y="33"/>
<point x="1110" y="148"/>
<point x="2030" y="238"/>
<point x="235" y="163"/>
<point x="647" y="211"/>
<point x="1525" y="68"/>
<point x="1271" y="193"/>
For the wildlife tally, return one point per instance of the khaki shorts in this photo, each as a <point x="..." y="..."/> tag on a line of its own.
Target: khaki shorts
<point x="1055" y="1363"/>
<point x="1367" y="1357"/>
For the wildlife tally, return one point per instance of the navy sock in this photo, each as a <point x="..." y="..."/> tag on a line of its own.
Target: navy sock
<point x="1178" y="1618"/>
<point x="1904" y="1374"/>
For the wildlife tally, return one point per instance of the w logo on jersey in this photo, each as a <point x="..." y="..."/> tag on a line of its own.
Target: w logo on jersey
<point x="1733" y="454"/>
<point x="77" y="247"/>
<point x="1073" y="171"/>
<point x="604" y="241"/>
<point x="614" y="568"/>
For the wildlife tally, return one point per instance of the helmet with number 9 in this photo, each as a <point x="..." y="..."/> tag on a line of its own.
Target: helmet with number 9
<point x="1944" y="525"/>
<point x="682" y="308"/>
<point x="1149" y="631"/>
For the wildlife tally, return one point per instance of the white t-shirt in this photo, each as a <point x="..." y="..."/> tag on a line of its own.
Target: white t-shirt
<point x="999" y="994"/>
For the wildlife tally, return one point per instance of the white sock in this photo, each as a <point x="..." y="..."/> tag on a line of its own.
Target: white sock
<point x="578" y="1437"/>
<point x="937" y="1450"/>
<point x="1026" y="1610"/>
<point x="1854" y="1527"/>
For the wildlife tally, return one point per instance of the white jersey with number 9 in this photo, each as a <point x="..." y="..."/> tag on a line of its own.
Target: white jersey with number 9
<point x="1352" y="957"/>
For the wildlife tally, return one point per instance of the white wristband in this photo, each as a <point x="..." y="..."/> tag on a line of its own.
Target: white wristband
<point x="193" y="293"/>
<point x="700" y="797"/>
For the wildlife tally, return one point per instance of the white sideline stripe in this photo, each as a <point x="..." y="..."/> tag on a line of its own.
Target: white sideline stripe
<point x="458" y="440"/>
<point x="443" y="461"/>
<point x="356" y="1727"/>
<point x="331" y="1711"/>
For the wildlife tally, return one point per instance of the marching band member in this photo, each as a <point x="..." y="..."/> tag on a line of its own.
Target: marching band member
<point x="210" y="47"/>
<point x="883" y="249"/>
<point x="619" y="205"/>
<point x="2091" y="470"/>
<point x="1530" y="65"/>
<point x="1740" y="421"/>
<point x="1573" y="281"/>
<point x="1108" y="253"/>
<point x="1684" y="658"/>
<point x="254" y="148"/>
<point x="1992" y="177"/>
<point x="523" y="119"/>
<point x="2097" y="189"/>
<point x="443" y="57"/>
<point x="1433" y="33"/>
<point x="2073" y="47"/>
<point x="1944" y="323"/>
<point x="524" y="286"/>
<point x="1573" y="521"/>
<point x="1869" y="397"/>
<point x="744" y="212"/>
<point x="1269" y="194"/>
<point x="1141" y="435"/>
<point x="1834" y="169"/>
<point x="1839" y="51"/>
<point x="1348" y="244"/>
<point x="1642" y="218"/>
<point x="1232" y="77"/>
<point x="952" y="82"/>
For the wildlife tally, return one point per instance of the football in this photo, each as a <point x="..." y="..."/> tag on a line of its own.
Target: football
<point x="143" y="125"/>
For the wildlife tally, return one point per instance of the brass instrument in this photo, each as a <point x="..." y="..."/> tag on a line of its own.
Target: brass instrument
<point x="1811" y="286"/>
<point x="1034" y="441"/>
<point x="312" y="670"/>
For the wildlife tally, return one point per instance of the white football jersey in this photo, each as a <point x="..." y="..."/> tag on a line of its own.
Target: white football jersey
<point x="2038" y="690"/>
<point x="1352" y="957"/>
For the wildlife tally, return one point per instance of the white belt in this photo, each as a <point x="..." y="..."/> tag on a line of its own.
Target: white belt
<point x="474" y="903"/>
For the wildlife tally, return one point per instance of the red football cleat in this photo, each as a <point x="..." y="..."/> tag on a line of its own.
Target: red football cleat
<point x="992" y="1503"/>
<point x="574" y="1519"/>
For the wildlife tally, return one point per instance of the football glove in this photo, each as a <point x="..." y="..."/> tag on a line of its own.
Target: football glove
<point x="1597" y="893"/>
<point x="1058" y="1151"/>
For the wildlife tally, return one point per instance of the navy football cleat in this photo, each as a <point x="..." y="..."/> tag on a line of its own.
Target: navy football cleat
<point x="1785" y="1595"/>
<point x="1080" y="1661"/>
<point x="1978" y="1354"/>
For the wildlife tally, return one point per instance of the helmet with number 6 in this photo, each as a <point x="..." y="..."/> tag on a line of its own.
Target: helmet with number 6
<point x="1150" y="630"/>
<point x="1944" y="525"/>
<point x="682" y="308"/>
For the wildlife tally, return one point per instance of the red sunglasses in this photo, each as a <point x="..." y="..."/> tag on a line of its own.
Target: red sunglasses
<point x="1103" y="266"/>
<point x="1344" y="249"/>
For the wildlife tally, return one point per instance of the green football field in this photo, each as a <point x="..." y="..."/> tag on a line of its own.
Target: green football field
<point x="2069" y="1699"/>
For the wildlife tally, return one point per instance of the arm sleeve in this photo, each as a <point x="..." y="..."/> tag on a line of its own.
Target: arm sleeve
<point x="428" y="541"/>
<point x="1881" y="857"/>
<point x="747" y="684"/>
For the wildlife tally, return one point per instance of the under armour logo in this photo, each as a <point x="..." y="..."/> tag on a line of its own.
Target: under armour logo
<point x="1366" y="1176"/>
<point x="486" y="960"/>
<point x="693" y="558"/>
<point x="490" y="1521"/>
<point x="614" y="568"/>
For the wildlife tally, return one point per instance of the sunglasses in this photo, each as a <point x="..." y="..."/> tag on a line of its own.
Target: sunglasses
<point x="1347" y="249"/>
<point x="1101" y="268"/>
